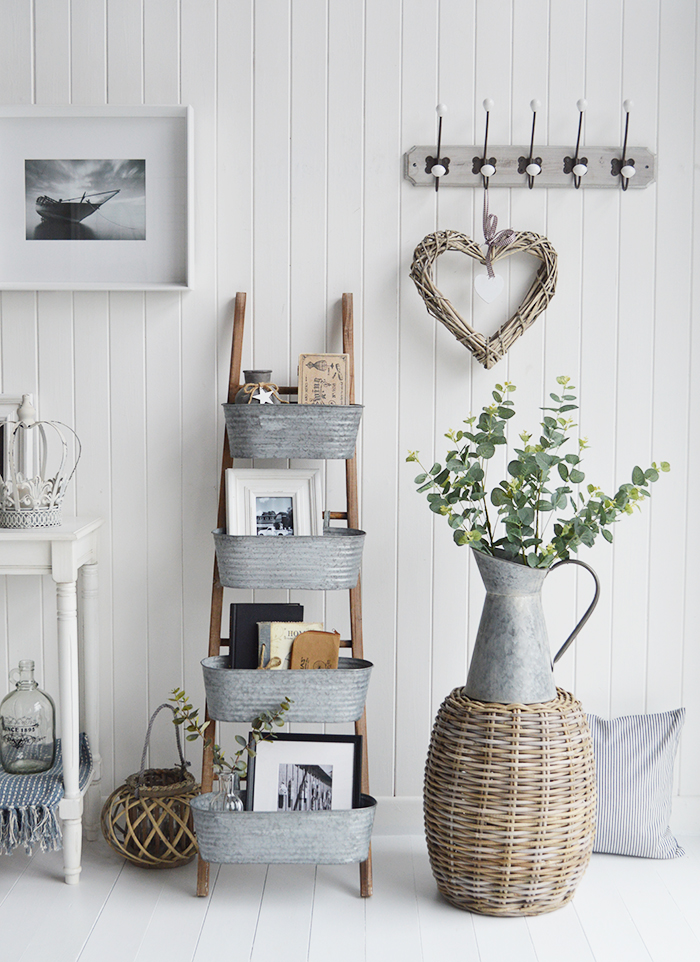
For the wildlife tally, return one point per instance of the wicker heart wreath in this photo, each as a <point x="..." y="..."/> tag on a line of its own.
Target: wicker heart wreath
<point x="486" y="350"/>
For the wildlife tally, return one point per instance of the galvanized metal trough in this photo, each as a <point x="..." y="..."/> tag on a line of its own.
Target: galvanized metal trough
<point x="318" y="695"/>
<point x="325" y="562"/>
<point x="325" y="431"/>
<point x="316" y="838"/>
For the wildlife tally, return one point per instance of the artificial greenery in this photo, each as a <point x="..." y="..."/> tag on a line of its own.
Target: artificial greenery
<point x="539" y="489"/>
<point x="261" y="730"/>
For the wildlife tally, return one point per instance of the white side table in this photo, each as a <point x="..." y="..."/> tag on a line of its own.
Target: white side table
<point x="61" y="551"/>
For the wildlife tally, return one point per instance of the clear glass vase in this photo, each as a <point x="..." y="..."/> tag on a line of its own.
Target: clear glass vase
<point x="27" y="725"/>
<point x="228" y="797"/>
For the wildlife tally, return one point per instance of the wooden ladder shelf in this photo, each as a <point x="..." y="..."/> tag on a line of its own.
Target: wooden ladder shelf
<point x="350" y="515"/>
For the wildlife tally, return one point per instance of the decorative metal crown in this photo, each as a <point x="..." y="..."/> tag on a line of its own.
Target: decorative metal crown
<point x="35" y="502"/>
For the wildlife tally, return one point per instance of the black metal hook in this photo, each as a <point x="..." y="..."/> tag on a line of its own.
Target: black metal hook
<point x="534" y="164"/>
<point x="487" y="165"/>
<point x="578" y="166"/>
<point x="438" y="166"/>
<point x="625" y="166"/>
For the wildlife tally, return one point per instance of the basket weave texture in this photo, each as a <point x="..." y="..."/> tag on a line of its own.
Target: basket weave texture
<point x="148" y="819"/>
<point x="509" y="803"/>
<point x="486" y="350"/>
<point x="152" y="828"/>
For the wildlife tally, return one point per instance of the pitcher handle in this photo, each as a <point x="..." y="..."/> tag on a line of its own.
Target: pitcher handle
<point x="589" y="611"/>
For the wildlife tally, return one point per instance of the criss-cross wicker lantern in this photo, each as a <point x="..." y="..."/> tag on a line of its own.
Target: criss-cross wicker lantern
<point x="35" y="502"/>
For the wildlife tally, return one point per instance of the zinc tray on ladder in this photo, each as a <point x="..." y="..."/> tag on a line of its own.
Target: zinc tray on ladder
<point x="347" y="834"/>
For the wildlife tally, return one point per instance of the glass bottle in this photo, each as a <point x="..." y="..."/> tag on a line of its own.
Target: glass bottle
<point x="254" y="378"/>
<point x="27" y="725"/>
<point x="228" y="797"/>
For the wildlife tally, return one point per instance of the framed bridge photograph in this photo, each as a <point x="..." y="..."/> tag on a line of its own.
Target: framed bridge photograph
<point x="96" y="198"/>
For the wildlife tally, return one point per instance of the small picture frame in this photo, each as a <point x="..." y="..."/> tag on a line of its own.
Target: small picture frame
<point x="323" y="379"/>
<point x="304" y="772"/>
<point x="271" y="502"/>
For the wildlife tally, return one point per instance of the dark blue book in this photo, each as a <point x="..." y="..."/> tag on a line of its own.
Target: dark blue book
<point x="243" y="629"/>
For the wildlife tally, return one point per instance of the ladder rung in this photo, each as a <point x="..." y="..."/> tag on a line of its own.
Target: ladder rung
<point x="338" y="515"/>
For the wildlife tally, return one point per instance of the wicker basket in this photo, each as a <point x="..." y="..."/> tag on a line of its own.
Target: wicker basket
<point x="315" y="838"/>
<point x="319" y="695"/>
<point x="292" y="430"/>
<point x="148" y="819"/>
<point x="509" y="803"/>
<point x="328" y="561"/>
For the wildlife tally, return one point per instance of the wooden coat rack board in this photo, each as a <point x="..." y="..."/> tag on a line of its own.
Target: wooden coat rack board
<point x="350" y="515"/>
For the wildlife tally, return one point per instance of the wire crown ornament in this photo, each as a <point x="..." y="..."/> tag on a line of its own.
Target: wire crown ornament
<point x="35" y="502"/>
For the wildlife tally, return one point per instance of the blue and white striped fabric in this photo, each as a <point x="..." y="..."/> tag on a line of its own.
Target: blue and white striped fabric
<point x="634" y="758"/>
<point x="29" y="804"/>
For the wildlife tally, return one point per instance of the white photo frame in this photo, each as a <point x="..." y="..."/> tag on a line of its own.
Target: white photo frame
<point x="57" y="160"/>
<point x="322" y="772"/>
<point x="273" y="502"/>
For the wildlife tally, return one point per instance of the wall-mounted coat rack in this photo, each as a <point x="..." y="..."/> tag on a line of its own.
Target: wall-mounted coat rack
<point x="529" y="165"/>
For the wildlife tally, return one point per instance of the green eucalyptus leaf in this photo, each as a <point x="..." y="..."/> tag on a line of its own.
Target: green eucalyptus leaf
<point x="575" y="476"/>
<point x="637" y="475"/>
<point x="486" y="449"/>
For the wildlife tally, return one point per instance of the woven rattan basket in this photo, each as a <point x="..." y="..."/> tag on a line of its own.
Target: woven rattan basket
<point x="148" y="819"/>
<point x="509" y="803"/>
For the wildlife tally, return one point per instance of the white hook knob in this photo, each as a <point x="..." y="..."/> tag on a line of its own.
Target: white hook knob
<point x="488" y="104"/>
<point x="581" y="104"/>
<point x="580" y="170"/>
<point x="437" y="170"/>
<point x="532" y="169"/>
<point x="535" y="105"/>
<point x="441" y="110"/>
<point x="628" y="105"/>
<point x="488" y="170"/>
<point x="628" y="171"/>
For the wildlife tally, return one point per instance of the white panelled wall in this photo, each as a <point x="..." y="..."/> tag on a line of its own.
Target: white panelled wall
<point x="302" y="110"/>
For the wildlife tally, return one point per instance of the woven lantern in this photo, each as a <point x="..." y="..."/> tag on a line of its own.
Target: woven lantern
<point x="147" y="820"/>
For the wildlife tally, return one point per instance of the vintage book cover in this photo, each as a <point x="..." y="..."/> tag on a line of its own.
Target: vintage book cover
<point x="275" y="640"/>
<point x="243" y="628"/>
<point x="323" y="379"/>
<point x="315" y="649"/>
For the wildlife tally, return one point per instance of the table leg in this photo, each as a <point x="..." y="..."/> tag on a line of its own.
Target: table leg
<point x="71" y="805"/>
<point x="91" y="694"/>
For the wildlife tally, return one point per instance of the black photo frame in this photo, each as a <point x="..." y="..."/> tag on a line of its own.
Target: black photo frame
<point x="323" y="771"/>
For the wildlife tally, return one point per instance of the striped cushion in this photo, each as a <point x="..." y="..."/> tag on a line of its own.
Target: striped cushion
<point x="634" y="758"/>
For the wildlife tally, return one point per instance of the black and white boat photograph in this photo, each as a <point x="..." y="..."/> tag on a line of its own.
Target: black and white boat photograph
<point x="85" y="199"/>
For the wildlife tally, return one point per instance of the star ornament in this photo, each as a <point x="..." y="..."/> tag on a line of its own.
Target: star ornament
<point x="263" y="396"/>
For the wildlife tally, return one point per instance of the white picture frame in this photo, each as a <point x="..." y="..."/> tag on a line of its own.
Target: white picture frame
<point x="274" y="502"/>
<point x="145" y="153"/>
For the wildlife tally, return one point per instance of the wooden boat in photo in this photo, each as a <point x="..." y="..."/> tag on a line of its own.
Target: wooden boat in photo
<point x="75" y="209"/>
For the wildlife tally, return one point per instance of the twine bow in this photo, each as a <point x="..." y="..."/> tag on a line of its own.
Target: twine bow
<point x="250" y="389"/>
<point x="492" y="239"/>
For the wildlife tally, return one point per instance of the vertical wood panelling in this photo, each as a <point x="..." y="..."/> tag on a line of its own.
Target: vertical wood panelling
<point x="201" y="395"/>
<point x="381" y="452"/>
<point x="635" y="365"/>
<point x="600" y="274"/>
<point x="566" y="85"/>
<point x="302" y="111"/>
<point x="453" y="363"/>
<point x="52" y="51"/>
<point x="690" y="682"/>
<point x="88" y="52"/>
<point x="670" y="427"/>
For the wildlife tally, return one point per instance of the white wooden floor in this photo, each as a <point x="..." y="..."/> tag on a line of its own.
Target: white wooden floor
<point x="626" y="910"/>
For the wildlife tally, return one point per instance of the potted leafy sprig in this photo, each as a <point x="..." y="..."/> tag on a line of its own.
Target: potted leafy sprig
<point x="229" y="772"/>
<point x="538" y="492"/>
